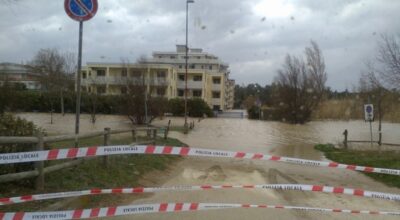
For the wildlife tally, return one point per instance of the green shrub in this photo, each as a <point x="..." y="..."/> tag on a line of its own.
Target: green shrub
<point x="15" y="126"/>
<point x="254" y="112"/>
<point x="196" y="107"/>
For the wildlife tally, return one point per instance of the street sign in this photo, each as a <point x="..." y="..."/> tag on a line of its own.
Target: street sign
<point x="81" y="10"/>
<point x="369" y="112"/>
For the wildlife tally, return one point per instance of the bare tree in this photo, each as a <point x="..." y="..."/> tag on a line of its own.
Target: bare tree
<point x="389" y="58"/>
<point x="299" y="86"/>
<point x="56" y="70"/>
<point x="139" y="104"/>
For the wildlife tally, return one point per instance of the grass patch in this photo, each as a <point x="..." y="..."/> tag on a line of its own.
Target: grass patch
<point x="389" y="160"/>
<point x="122" y="171"/>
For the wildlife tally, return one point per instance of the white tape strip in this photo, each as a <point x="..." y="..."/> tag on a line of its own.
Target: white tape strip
<point x="164" y="207"/>
<point x="137" y="190"/>
<point x="57" y="154"/>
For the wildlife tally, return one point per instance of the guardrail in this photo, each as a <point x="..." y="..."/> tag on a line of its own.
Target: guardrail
<point x="40" y="140"/>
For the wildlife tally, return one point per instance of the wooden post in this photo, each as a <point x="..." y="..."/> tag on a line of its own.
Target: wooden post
<point x="39" y="165"/>
<point x="106" y="143"/>
<point x="345" y="133"/>
<point x="154" y="135"/>
<point x="167" y="130"/>
<point x="134" y="135"/>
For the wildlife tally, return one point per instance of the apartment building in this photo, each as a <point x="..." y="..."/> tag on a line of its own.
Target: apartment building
<point x="18" y="73"/>
<point x="208" y="77"/>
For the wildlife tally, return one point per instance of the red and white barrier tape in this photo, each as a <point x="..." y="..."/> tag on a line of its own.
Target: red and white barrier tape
<point x="137" y="190"/>
<point x="57" y="154"/>
<point x="165" y="207"/>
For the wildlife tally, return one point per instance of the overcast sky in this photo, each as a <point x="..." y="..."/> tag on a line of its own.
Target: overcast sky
<point x="253" y="36"/>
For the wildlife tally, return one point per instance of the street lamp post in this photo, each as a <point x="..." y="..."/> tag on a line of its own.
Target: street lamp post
<point x="186" y="63"/>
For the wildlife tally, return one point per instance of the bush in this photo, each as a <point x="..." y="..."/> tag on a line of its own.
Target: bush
<point x="254" y="112"/>
<point x="196" y="107"/>
<point x="14" y="126"/>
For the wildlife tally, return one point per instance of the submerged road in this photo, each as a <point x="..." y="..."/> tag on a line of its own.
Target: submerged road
<point x="270" y="138"/>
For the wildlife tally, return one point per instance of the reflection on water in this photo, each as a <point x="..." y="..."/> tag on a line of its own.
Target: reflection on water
<point x="238" y="134"/>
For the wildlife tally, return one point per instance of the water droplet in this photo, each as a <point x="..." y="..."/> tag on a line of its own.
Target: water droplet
<point x="203" y="27"/>
<point x="310" y="90"/>
<point x="302" y="107"/>
<point x="281" y="104"/>
<point x="263" y="19"/>
<point x="109" y="21"/>
<point x="232" y="31"/>
<point x="374" y="33"/>
<point x="292" y="18"/>
<point x="60" y="28"/>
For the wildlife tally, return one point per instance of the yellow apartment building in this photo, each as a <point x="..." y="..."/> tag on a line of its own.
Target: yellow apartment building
<point x="164" y="75"/>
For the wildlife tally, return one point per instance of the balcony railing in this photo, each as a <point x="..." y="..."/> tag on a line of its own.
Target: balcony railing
<point x="191" y="84"/>
<point x="216" y="87"/>
<point x="124" y="81"/>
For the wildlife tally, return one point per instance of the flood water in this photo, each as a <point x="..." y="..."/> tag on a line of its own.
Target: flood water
<point x="237" y="134"/>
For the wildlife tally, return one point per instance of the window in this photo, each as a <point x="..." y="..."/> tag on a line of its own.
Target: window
<point x="173" y="57"/>
<point x="181" y="77"/>
<point x="198" y="57"/>
<point x="181" y="92"/>
<point x="196" y="93"/>
<point x="197" y="78"/>
<point x="180" y="66"/>
<point x="123" y="90"/>
<point x="84" y="75"/>
<point x="124" y="73"/>
<point x="210" y="67"/>
<point x="161" y="74"/>
<point x="216" y="95"/>
<point x="101" y="89"/>
<point x="192" y="66"/>
<point x="160" y="92"/>
<point x="216" y="107"/>
<point x="101" y="72"/>
<point x="90" y="73"/>
<point x="217" y="80"/>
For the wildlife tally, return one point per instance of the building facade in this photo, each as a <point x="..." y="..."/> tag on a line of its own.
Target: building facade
<point x="18" y="73"/>
<point x="164" y="75"/>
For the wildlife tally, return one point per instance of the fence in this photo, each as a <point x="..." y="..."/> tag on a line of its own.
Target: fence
<point x="40" y="140"/>
<point x="346" y="141"/>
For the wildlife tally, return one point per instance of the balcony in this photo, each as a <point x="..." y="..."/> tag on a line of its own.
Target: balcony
<point x="215" y="101"/>
<point x="191" y="84"/>
<point x="216" y="87"/>
<point x="123" y="81"/>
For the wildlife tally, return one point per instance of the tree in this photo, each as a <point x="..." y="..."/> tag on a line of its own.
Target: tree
<point x="299" y="86"/>
<point x="372" y="90"/>
<point x="389" y="58"/>
<point x="139" y="104"/>
<point x="56" y="71"/>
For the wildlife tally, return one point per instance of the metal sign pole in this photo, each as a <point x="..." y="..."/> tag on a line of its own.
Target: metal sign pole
<point x="78" y="85"/>
<point x="370" y="129"/>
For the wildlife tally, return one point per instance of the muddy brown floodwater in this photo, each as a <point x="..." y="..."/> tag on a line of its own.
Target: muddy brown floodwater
<point x="263" y="137"/>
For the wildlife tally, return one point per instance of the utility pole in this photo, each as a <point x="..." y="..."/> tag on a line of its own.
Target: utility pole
<point x="186" y="64"/>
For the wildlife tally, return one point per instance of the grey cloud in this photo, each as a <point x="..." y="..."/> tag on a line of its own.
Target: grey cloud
<point x="252" y="40"/>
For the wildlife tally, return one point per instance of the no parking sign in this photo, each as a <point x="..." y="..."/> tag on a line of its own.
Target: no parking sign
<point x="81" y="10"/>
<point x="369" y="112"/>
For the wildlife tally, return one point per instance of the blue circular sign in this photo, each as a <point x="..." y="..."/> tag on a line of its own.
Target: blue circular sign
<point x="81" y="10"/>
<point x="368" y="109"/>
